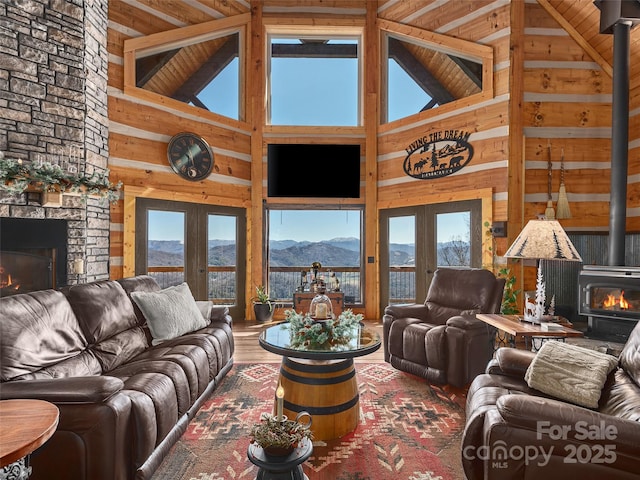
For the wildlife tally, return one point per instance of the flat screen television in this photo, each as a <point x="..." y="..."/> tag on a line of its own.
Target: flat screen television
<point x="305" y="170"/>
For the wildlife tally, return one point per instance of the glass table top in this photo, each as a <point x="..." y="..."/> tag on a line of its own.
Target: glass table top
<point x="288" y="341"/>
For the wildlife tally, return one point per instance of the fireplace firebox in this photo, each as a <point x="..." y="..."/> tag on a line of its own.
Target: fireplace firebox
<point x="22" y="272"/>
<point x="610" y="297"/>
<point x="33" y="254"/>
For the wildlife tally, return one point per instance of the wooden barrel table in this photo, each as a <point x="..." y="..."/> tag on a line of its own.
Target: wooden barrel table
<point x="321" y="382"/>
<point x="327" y="390"/>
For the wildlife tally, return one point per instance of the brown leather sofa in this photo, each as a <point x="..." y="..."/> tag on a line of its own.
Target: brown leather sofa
<point x="123" y="403"/>
<point x="509" y="425"/>
<point x="441" y="340"/>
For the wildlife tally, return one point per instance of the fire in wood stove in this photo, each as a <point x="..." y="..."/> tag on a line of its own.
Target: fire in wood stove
<point x="614" y="299"/>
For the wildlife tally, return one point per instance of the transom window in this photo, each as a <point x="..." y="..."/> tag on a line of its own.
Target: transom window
<point x="425" y="70"/>
<point x="201" y="65"/>
<point x="314" y="79"/>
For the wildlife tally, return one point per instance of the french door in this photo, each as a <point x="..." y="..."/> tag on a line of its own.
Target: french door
<point x="416" y="240"/>
<point x="203" y="245"/>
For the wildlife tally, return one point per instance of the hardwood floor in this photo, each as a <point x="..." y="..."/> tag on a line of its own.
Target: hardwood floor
<point x="248" y="350"/>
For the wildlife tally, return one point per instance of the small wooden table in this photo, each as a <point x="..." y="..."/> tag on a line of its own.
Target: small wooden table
<point x="511" y="331"/>
<point x="24" y="426"/>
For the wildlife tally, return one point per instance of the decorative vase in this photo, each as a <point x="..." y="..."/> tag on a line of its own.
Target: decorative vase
<point x="263" y="312"/>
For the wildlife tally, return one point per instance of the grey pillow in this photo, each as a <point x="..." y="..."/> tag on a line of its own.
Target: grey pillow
<point x="170" y="312"/>
<point x="570" y="372"/>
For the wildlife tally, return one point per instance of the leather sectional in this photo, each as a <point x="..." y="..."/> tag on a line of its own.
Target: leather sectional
<point x="516" y="432"/>
<point x="123" y="402"/>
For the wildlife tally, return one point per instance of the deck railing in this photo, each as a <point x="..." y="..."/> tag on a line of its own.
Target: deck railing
<point x="283" y="281"/>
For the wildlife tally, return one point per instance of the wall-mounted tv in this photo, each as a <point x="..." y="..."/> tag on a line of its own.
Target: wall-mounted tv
<point x="305" y="170"/>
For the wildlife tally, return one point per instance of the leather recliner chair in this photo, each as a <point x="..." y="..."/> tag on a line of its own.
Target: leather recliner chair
<point x="441" y="340"/>
<point x="515" y="432"/>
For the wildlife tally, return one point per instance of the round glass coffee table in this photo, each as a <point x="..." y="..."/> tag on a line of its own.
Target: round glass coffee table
<point x="321" y="381"/>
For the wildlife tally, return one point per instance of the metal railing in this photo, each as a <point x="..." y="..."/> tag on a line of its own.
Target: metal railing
<point x="221" y="281"/>
<point x="284" y="281"/>
<point x="402" y="284"/>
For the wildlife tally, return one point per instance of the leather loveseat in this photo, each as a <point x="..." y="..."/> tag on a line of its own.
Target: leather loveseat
<point x="441" y="340"/>
<point x="123" y="402"/>
<point x="516" y="432"/>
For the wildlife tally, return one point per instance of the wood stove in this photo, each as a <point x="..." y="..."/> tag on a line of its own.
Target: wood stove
<point x="610" y="297"/>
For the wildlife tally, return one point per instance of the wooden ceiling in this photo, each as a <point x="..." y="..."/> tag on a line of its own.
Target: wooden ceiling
<point x="580" y="18"/>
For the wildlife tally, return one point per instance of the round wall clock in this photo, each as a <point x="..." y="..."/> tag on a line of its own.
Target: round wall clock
<point x="190" y="156"/>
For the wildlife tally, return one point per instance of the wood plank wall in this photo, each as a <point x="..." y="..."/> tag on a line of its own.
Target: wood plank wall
<point x="567" y="103"/>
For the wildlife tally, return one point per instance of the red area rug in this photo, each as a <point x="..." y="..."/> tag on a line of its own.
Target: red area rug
<point x="408" y="430"/>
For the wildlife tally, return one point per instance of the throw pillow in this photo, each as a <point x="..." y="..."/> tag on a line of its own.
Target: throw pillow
<point x="170" y="312"/>
<point x="571" y="373"/>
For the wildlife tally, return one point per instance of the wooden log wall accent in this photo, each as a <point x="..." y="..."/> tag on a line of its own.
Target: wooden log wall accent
<point x="565" y="95"/>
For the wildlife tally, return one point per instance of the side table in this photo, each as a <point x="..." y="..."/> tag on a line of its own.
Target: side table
<point x="509" y="330"/>
<point x="285" y="468"/>
<point x="24" y="426"/>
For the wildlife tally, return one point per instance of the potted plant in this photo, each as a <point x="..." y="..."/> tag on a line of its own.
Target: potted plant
<point x="279" y="436"/>
<point x="262" y="305"/>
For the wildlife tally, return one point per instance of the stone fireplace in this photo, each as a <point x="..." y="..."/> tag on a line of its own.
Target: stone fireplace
<point x="54" y="78"/>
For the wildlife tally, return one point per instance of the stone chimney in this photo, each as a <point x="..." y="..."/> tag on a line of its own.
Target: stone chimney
<point x="53" y="93"/>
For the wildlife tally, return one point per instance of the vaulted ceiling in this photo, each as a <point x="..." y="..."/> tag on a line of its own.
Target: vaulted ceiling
<point x="581" y="18"/>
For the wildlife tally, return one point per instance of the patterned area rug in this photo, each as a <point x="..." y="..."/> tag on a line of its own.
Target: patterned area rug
<point x="408" y="430"/>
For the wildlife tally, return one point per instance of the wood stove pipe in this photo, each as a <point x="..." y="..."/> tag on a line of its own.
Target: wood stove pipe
<point x="619" y="143"/>
<point x="617" y="17"/>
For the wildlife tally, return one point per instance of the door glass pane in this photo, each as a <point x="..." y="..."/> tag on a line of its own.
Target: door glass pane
<point x="221" y="259"/>
<point x="453" y="232"/>
<point x="165" y="247"/>
<point x="402" y="259"/>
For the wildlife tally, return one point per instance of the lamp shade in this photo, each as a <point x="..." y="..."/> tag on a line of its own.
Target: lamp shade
<point x="543" y="239"/>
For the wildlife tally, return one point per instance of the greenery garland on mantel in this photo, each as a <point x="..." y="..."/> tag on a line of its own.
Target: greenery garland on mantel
<point x="309" y="334"/>
<point x="17" y="177"/>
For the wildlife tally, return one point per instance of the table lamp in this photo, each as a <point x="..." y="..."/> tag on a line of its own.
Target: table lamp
<point x="542" y="240"/>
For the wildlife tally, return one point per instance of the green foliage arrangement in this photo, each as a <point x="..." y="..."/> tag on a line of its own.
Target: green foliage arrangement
<point x="509" y="298"/>
<point x="271" y="433"/>
<point x="509" y="304"/>
<point x="16" y="176"/>
<point x="307" y="333"/>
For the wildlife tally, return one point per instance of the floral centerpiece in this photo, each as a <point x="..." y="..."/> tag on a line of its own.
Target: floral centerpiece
<point x="279" y="436"/>
<point x="313" y="335"/>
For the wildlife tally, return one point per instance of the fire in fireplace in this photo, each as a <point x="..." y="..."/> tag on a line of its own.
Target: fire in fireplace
<point x="25" y="272"/>
<point x="610" y="297"/>
<point x="33" y="253"/>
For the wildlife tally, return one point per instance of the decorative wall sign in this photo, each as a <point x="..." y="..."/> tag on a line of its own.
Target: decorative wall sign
<point x="438" y="154"/>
